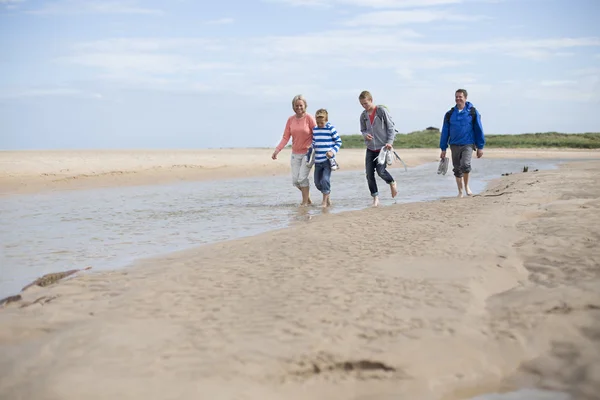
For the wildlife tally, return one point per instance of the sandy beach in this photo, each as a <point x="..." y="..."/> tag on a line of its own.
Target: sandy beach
<point x="435" y="300"/>
<point x="39" y="171"/>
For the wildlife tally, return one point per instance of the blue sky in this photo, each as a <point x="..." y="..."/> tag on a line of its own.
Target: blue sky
<point x="171" y="74"/>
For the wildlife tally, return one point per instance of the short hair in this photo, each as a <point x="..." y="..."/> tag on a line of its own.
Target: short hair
<point x="322" y="112"/>
<point x="463" y="91"/>
<point x="365" y="94"/>
<point x="296" y="98"/>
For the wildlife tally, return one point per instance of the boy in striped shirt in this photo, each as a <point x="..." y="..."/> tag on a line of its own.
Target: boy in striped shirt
<point x="326" y="143"/>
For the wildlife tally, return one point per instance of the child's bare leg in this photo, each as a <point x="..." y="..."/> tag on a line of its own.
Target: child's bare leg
<point x="375" y="201"/>
<point x="325" y="202"/>
<point x="394" y="189"/>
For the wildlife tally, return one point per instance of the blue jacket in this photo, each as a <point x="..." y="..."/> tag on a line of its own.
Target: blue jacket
<point x="462" y="130"/>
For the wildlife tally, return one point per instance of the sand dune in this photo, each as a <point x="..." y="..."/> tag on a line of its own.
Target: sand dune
<point x="35" y="171"/>
<point x="439" y="300"/>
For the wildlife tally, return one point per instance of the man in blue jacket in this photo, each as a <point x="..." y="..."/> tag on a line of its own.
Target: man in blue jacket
<point x="463" y="131"/>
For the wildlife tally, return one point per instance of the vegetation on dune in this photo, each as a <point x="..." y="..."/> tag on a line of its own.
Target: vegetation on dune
<point x="430" y="138"/>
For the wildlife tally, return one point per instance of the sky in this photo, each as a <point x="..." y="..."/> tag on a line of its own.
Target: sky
<point x="183" y="74"/>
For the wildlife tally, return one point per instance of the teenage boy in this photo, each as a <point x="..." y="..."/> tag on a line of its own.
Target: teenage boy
<point x="379" y="131"/>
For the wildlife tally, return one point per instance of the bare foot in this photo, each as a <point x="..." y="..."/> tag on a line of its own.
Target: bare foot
<point x="309" y="201"/>
<point x="394" y="189"/>
<point x="375" y="202"/>
<point x="329" y="202"/>
<point x="468" y="190"/>
<point x="460" y="195"/>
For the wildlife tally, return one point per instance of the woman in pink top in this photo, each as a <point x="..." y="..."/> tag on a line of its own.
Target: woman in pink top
<point x="299" y="127"/>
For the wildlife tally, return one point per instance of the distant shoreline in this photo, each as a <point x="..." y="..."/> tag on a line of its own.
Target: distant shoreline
<point x="430" y="138"/>
<point x="36" y="171"/>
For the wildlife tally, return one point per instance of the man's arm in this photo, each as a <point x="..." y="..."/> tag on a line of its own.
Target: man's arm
<point x="444" y="136"/>
<point x="478" y="130"/>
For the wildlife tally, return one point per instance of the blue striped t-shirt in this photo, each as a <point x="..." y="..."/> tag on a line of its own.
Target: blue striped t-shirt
<point x="325" y="139"/>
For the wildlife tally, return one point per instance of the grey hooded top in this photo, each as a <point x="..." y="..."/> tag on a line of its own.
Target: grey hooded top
<point x="383" y="128"/>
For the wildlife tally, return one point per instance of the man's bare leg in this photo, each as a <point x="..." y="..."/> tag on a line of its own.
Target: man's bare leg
<point x="375" y="201"/>
<point x="394" y="189"/>
<point x="326" y="203"/>
<point x="459" y="184"/>
<point x="305" y="196"/>
<point x="467" y="188"/>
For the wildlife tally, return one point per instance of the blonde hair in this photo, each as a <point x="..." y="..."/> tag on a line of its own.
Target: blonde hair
<point x="365" y="94"/>
<point x="322" y="111"/>
<point x="296" y="98"/>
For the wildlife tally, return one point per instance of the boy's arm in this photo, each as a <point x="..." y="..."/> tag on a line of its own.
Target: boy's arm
<point x="337" y="139"/>
<point x="478" y="129"/>
<point x="363" y="125"/>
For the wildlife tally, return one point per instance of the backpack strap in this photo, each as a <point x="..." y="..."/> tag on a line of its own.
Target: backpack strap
<point x="448" y="115"/>
<point x="382" y="116"/>
<point x="472" y="112"/>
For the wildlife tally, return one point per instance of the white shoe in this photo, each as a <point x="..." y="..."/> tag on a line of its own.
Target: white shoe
<point x="334" y="164"/>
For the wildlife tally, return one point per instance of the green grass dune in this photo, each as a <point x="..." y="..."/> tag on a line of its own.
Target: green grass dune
<point x="430" y="138"/>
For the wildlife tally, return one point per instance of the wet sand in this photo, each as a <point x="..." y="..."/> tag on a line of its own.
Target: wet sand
<point x="439" y="300"/>
<point x="39" y="171"/>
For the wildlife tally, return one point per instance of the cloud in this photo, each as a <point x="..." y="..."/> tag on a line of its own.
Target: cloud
<point x="543" y="49"/>
<point x="590" y="71"/>
<point x="392" y="18"/>
<point x="410" y="71"/>
<point x="243" y="65"/>
<point x="49" y="92"/>
<point x="10" y="4"/>
<point x="222" y="21"/>
<point x="123" y="45"/>
<point x="459" y="79"/>
<point x="67" y="7"/>
<point x="583" y="91"/>
<point x="555" y="83"/>
<point x="145" y="63"/>
<point x="370" y="3"/>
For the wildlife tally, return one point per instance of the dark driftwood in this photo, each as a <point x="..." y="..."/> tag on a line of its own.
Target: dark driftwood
<point x="10" y="299"/>
<point x="54" y="277"/>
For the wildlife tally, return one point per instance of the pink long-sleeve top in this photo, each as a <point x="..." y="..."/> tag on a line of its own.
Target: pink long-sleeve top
<point x="300" y="130"/>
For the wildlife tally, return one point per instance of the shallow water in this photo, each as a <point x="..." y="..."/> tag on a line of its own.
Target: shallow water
<point x="525" y="394"/>
<point x="111" y="227"/>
